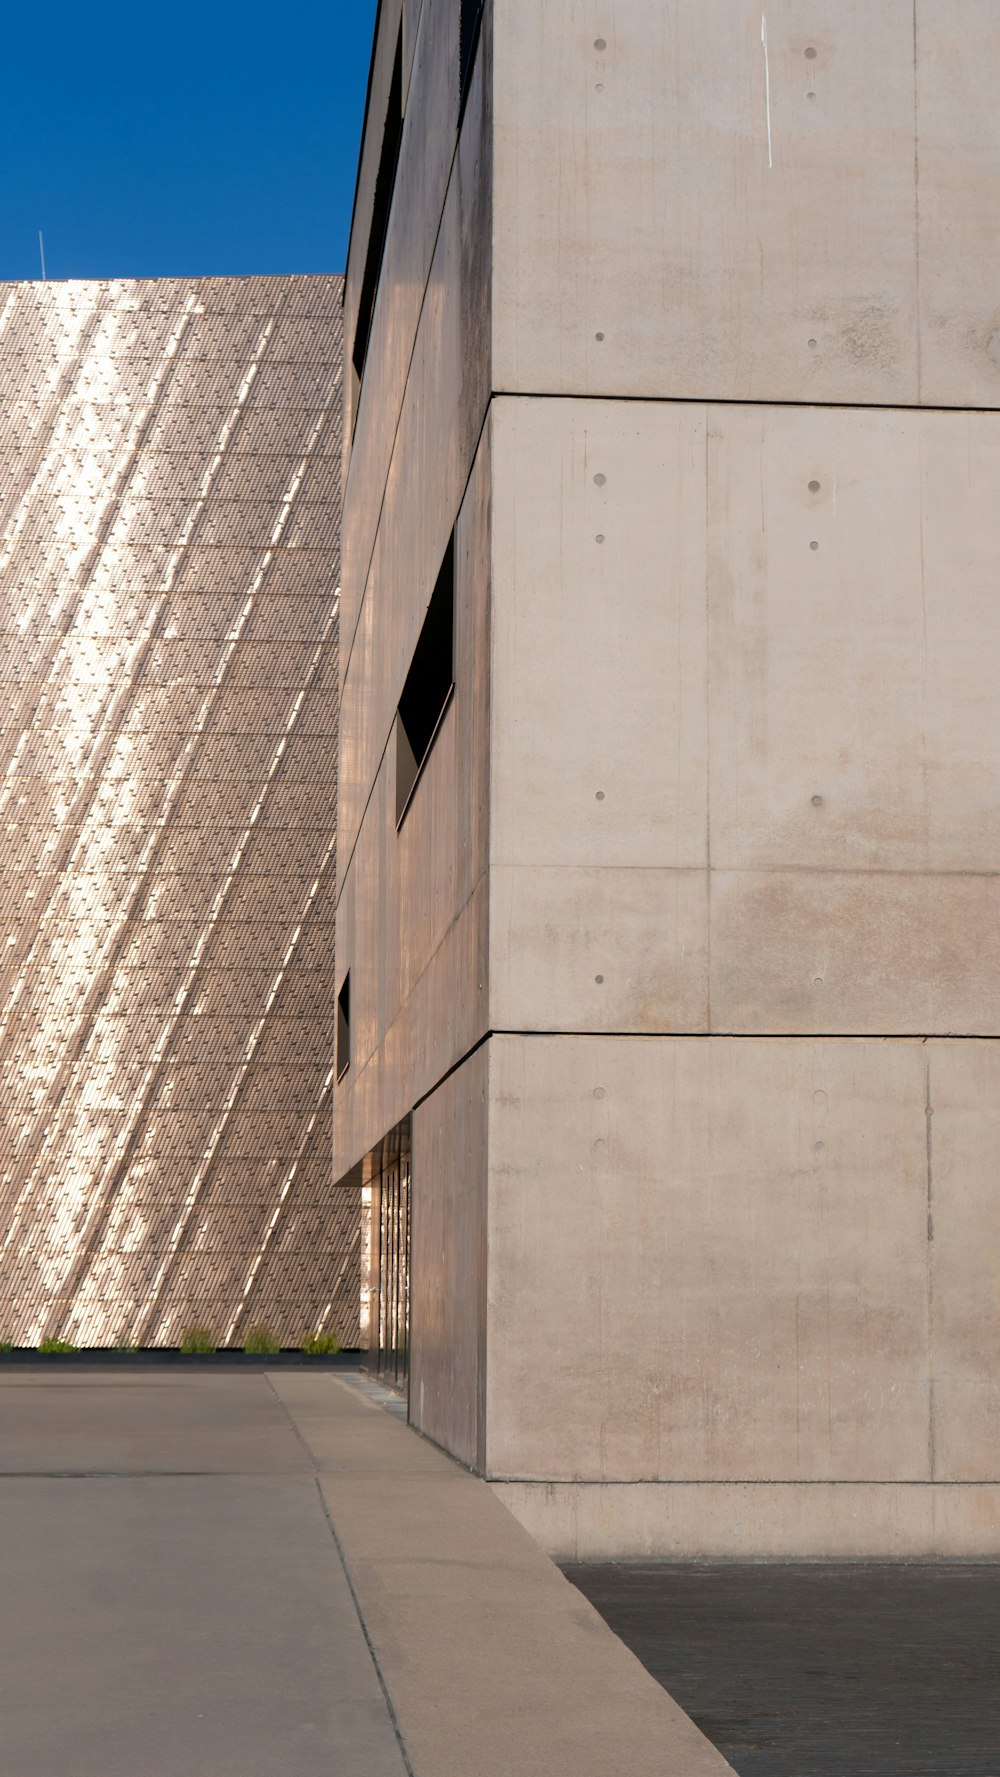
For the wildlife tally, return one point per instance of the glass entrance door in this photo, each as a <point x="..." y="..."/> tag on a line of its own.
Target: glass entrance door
<point x="386" y="1258"/>
<point x="394" y="1272"/>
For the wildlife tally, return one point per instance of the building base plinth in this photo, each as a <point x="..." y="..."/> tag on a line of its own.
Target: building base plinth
<point x="758" y="1521"/>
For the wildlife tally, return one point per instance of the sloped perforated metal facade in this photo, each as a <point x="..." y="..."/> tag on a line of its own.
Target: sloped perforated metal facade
<point x="169" y="571"/>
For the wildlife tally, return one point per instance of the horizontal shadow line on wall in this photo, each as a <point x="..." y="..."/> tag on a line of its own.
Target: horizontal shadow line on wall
<point x="754" y="1036"/>
<point x="707" y="1036"/>
<point x="736" y="401"/>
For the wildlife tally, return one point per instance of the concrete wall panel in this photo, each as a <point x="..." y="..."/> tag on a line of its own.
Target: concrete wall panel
<point x="440" y="425"/>
<point x="448" y="1262"/>
<point x="837" y="1521"/>
<point x="964" y="1210"/>
<point x="444" y="1014"/>
<point x="391" y="15"/>
<point x="599" y="634"/>
<point x="958" y="168"/>
<point x="851" y="953"/>
<point x="841" y="563"/>
<point x="724" y="1248"/>
<point x="425" y="165"/>
<point x="855" y="639"/>
<point x="598" y="788"/>
<point x="599" y="949"/>
<point x="413" y="907"/>
<point x="743" y="162"/>
<point x="746" y="264"/>
<point x="854" y="655"/>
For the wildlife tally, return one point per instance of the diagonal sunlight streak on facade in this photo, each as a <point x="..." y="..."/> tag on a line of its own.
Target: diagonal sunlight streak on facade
<point x="54" y="1225"/>
<point x="91" y="778"/>
<point x="85" y="519"/>
<point x="180" y="1227"/>
<point x="217" y="905"/>
<point x="286" y="1185"/>
<point x="195" y="1187"/>
<point x="98" y="1201"/>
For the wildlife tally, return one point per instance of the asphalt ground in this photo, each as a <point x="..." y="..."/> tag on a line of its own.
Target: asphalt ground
<point x="820" y="1669"/>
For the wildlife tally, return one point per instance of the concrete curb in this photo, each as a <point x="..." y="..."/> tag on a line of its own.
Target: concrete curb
<point x="491" y="1660"/>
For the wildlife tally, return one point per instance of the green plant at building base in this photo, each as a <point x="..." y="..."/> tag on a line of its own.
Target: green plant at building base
<point x="320" y="1344"/>
<point x="260" y="1341"/>
<point x="199" y="1340"/>
<point x="5" y="1346"/>
<point x="56" y="1347"/>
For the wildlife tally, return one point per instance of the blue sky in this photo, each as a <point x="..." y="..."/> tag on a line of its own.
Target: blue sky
<point x="154" y="141"/>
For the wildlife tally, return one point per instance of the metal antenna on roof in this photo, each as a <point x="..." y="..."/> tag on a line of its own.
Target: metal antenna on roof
<point x="41" y="250"/>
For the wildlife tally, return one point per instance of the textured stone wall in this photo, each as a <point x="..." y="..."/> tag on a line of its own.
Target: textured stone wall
<point x="169" y="573"/>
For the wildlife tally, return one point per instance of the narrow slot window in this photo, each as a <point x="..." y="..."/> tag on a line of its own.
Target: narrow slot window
<point x="470" y="20"/>
<point x="385" y="180"/>
<point x="344" y="1027"/>
<point x="429" y="685"/>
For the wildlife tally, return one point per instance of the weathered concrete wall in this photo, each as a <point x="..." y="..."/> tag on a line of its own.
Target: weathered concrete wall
<point x="736" y="732"/>
<point x="763" y="1521"/>
<point x="759" y="1263"/>
<point x="742" y="1294"/>
<point x="740" y="201"/>
<point x="412" y="229"/>
<point x="449" y="1262"/>
<point x="746" y="770"/>
<point x="744" y="778"/>
<point x="412" y="907"/>
<point x="412" y="918"/>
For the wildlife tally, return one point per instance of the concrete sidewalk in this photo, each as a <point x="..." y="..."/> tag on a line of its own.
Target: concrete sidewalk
<point x="249" y="1575"/>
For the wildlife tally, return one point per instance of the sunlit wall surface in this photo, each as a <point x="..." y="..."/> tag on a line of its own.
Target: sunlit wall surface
<point x="169" y="570"/>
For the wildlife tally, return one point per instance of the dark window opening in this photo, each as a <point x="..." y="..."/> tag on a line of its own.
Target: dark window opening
<point x="344" y="1027"/>
<point x="429" y="685"/>
<point x="385" y="179"/>
<point x="470" y="19"/>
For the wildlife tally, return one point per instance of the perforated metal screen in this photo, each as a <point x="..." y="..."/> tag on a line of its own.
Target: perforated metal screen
<point x="169" y="537"/>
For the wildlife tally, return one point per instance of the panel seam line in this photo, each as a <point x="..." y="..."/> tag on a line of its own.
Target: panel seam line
<point x="324" y="1506"/>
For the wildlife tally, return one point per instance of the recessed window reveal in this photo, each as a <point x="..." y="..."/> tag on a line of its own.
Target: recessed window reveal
<point x="385" y="180"/>
<point x="470" y="21"/>
<point x="429" y="685"/>
<point x="344" y="1027"/>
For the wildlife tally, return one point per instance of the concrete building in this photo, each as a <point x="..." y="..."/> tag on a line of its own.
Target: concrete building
<point x="669" y="827"/>
<point x="169" y="569"/>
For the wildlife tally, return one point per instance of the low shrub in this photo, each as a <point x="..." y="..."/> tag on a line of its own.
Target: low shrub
<point x="260" y="1341"/>
<point x="5" y="1346"/>
<point x="200" y="1340"/>
<point x="56" y="1347"/>
<point x="320" y="1344"/>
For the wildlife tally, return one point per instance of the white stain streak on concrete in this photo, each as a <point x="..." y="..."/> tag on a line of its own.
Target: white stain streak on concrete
<point x="767" y="87"/>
